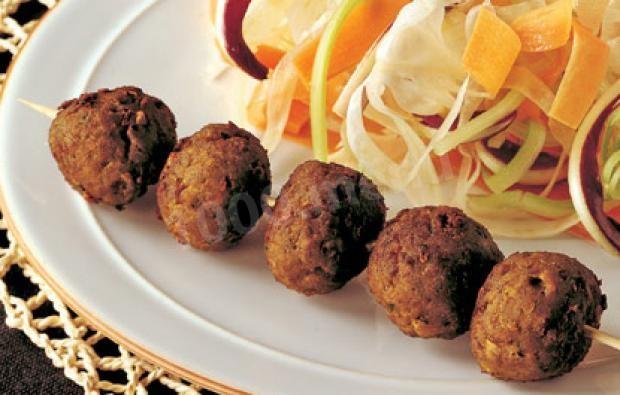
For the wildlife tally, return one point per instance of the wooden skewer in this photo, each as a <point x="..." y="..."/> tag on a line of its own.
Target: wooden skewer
<point x="41" y="109"/>
<point x="595" y="334"/>
<point x="51" y="113"/>
<point x="603" y="337"/>
<point x="270" y="201"/>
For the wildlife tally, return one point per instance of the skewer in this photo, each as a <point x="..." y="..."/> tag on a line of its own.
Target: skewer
<point x="41" y="109"/>
<point x="51" y="113"/>
<point x="270" y="201"/>
<point x="595" y="334"/>
<point x="603" y="338"/>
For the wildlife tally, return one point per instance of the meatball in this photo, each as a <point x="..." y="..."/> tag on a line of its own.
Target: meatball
<point x="322" y="222"/>
<point x="210" y="191"/>
<point x="530" y="317"/>
<point x="426" y="269"/>
<point x="111" y="145"/>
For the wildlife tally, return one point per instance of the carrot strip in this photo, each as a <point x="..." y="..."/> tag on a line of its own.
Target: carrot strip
<point x="297" y="118"/>
<point x="582" y="79"/>
<point x="300" y="109"/>
<point x="363" y="27"/>
<point x="545" y="28"/>
<point x="491" y="51"/>
<point x="302" y="93"/>
<point x="530" y="111"/>
<point x="256" y="112"/>
<point x="269" y="56"/>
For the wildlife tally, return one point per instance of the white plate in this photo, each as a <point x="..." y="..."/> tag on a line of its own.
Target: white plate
<point x="213" y="317"/>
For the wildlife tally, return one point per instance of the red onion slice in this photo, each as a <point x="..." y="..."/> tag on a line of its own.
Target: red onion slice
<point x="584" y="173"/>
<point x="509" y="149"/>
<point x="435" y="121"/>
<point x="231" y="16"/>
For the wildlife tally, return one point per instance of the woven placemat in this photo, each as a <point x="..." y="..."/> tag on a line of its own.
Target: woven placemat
<point x="67" y="339"/>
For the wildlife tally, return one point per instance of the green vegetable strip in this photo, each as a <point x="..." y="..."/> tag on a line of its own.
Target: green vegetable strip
<point x="318" y="86"/>
<point x="546" y="207"/>
<point x="610" y="156"/>
<point x="522" y="161"/>
<point x="612" y="122"/>
<point x="474" y="129"/>
<point x="524" y="201"/>
<point x="610" y="166"/>
<point x="613" y="187"/>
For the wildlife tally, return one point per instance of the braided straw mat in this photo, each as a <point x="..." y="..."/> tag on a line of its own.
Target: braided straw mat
<point x="75" y="350"/>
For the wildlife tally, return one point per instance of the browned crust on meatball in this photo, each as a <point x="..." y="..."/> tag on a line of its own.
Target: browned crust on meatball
<point x="322" y="222"/>
<point x="426" y="269"/>
<point x="530" y="317"/>
<point x="210" y="191"/>
<point x="111" y="145"/>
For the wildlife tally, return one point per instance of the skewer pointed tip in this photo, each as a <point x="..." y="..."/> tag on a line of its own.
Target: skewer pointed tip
<point x="48" y="112"/>
<point x="270" y="201"/>
<point x="603" y="338"/>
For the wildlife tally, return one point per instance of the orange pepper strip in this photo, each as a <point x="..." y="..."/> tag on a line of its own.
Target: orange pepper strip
<point x="297" y="118"/>
<point x="363" y="27"/>
<point x="269" y="56"/>
<point x="582" y="79"/>
<point x="491" y="51"/>
<point x="545" y="28"/>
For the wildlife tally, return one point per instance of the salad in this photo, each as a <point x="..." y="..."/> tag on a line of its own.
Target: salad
<point x="507" y="109"/>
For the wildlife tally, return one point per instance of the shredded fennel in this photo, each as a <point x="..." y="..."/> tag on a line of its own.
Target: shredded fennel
<point x="531" y="177"/>
<point x="524" y="201"/>
<point x="443" y="130"/>
<point x="531" y="227"/>
<point x="414" y="71"/>
<point x="280" y="94"/>
<point x="469" y="173"/>
<point x="475" y="129"/>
